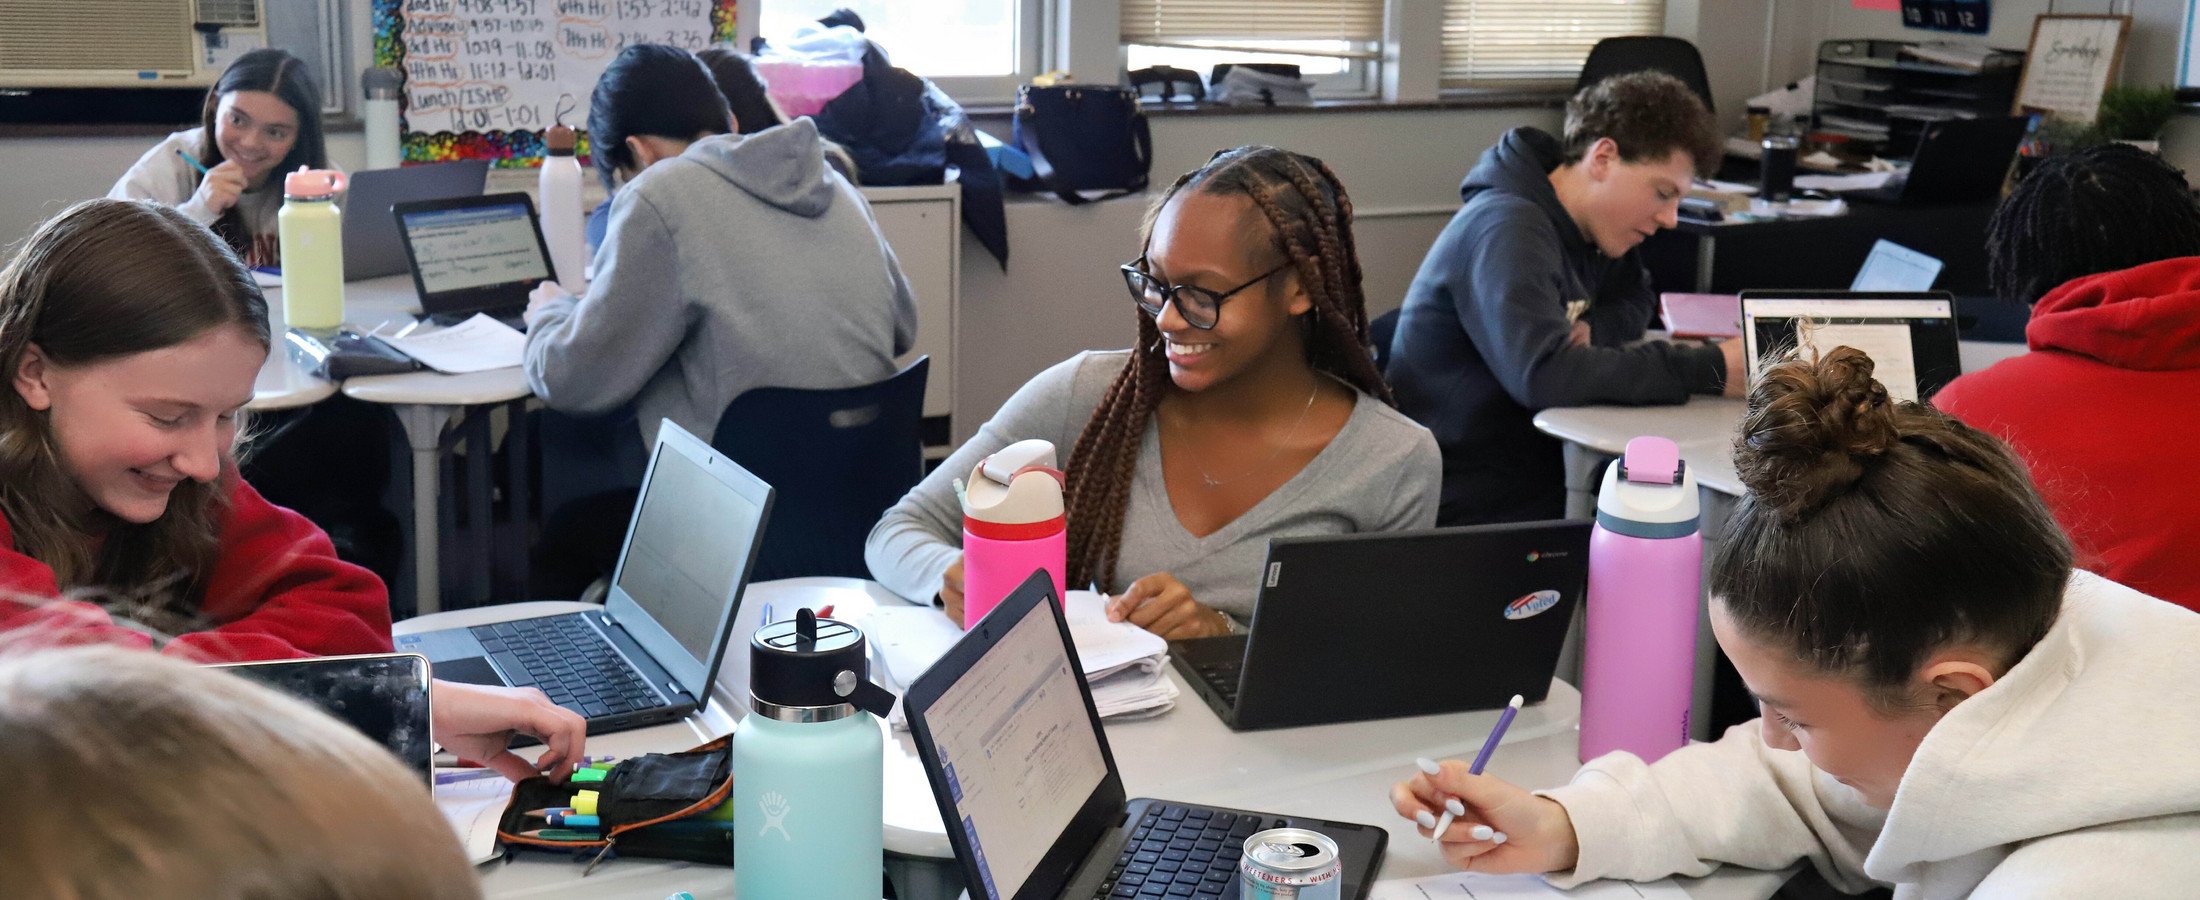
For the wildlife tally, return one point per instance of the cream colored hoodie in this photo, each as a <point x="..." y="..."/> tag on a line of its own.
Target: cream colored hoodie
<point x="2077" y="775"/>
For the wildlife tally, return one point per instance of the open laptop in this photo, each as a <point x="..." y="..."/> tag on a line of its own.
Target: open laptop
<point x="1005" y="726"/>
<point x="1459" y="618"/>
<point x="1911" y="337"/>
<point x="1957" y="161"/>
<point x="372" y="248"/>
<point x="1889" y="267"/>
<point x="1893" y="267"/>
<point x="474" y="255"/>
<point x="648" y="655"/>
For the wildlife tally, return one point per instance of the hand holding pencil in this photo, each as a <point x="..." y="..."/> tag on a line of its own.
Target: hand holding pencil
<point x="1485" y="824"/>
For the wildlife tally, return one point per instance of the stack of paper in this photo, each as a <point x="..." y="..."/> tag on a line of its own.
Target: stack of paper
<point x="1125" y="664"/>
<point x="475" y="345"/>
<point x="1477" y="886"/>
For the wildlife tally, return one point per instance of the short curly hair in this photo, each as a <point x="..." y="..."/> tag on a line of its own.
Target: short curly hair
<point x="1650" y="115"/>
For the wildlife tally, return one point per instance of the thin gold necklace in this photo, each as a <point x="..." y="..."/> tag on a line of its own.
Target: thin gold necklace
<point x="1210" y="482"/>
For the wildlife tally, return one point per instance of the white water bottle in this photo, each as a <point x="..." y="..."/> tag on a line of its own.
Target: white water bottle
<point x="564" y="227"/>
<point x="382" y="86"/>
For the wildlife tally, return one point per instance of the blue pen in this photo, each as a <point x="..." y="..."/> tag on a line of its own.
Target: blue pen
<point x="193" y="161"/>
<point x="563" y="820"/>
<point x="767" y="615"/>
<point x="1452" y="806"/>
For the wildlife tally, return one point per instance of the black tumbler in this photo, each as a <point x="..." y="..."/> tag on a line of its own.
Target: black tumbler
<point x="1778" y="169"/>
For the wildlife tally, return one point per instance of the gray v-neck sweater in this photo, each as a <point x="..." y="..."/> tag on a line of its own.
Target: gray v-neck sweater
<point x="1380" y="473"/>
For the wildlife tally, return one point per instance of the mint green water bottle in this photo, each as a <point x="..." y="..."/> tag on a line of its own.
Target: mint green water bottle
<point x="808" y="796"/>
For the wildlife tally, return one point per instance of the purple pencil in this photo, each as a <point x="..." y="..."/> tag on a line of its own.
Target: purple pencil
<point x="1504" y="721"/>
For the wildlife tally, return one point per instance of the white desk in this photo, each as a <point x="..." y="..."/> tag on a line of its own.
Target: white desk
<point x="1341" y="772"/>
<point x="426" y="404"/>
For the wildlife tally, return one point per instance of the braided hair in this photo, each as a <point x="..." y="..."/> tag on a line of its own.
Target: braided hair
<point x="1309" y="220"/>
<point x="2100" y="209"/>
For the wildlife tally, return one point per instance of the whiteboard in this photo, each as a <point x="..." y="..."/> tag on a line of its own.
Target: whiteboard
<point x="483" y="78"/>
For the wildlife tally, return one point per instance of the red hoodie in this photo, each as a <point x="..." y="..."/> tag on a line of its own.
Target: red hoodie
<point x="277" y="592"/>
<point x="2106" y="413"/>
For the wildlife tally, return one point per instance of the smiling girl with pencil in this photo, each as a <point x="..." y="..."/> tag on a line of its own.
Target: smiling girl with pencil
<point x="1948" y="707"/>
<point x="262" y="117"/>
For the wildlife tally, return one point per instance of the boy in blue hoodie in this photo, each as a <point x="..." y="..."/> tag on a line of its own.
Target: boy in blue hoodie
<point x="1533" y="294"/>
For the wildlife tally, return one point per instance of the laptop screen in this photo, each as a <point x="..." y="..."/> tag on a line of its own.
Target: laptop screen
<point x="1912" y="341"/>
<point x="1018" y="750"/>
<point x="688" y="551"/>
<point x="464" y="247"/>
<point x="1893" y="267"/>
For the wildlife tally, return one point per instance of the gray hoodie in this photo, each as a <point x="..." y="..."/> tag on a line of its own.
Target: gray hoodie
<point x="744" y="262"/>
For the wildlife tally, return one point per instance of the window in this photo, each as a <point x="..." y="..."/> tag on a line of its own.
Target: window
<point x="973" y="49"/>
<point x="1519" y="43"/>
<point x="1333" y="42"/>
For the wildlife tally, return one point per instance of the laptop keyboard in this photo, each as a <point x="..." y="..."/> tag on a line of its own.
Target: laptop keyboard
<point x="1222" y="676"/>
<point x="568" y="660"/>
<point x="1181" y="851"/>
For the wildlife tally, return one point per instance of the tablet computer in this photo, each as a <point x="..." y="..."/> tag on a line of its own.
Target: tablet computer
<point x="383" y="695"/>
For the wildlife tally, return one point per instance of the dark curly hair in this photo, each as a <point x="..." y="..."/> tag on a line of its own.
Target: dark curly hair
<point x="1874" y="532"/>
<point x="1650" y="115"/>
<point x="2097" y="210"/>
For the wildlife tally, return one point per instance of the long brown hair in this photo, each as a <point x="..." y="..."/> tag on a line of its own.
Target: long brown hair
<point x="1309" y="223"/>
<point x="146" y="776"/>
<point x="1875" y="532"/>
<point x="276" y="72"/>
<point x="105" y="279"/>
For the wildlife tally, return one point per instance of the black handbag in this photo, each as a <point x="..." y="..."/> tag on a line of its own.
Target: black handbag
<point x="1082" y="138"/>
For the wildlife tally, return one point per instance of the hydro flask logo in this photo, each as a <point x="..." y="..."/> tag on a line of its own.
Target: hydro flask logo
<point x="1532" y="604"/>
<point x="775" y="814"/>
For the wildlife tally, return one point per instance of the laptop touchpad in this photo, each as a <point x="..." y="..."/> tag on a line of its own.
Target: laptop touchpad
<point x="470" y="670"/>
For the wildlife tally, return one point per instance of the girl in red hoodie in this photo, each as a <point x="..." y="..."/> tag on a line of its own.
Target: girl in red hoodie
<point x="131" y="338"/>
<point x="2105" y="245"/>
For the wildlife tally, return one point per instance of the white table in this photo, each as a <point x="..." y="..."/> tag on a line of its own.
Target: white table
<point x="1340" y="772"/>
<point x="427" y="404"/>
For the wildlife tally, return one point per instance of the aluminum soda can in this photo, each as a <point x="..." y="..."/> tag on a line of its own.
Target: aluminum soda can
<point x="1290" y="864"/>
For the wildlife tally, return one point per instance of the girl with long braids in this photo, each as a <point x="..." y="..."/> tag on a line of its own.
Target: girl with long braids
<point x="1249" y="409"/>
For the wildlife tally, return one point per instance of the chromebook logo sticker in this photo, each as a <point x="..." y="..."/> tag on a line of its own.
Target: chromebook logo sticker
<point x="1530" y="605"/>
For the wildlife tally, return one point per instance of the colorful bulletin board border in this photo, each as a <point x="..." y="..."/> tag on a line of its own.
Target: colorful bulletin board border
<point x="504" y="149"/>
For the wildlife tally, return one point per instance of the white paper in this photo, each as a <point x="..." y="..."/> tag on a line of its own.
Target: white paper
<point x="1862" y="181"/>
<point x="1887" y="345"/>
<point x="1103" y="646"/>
<point x="473" y="805"/>
<point x="1518" y="887"/>
<point x="1124" y="664"/>
<point x="475" y="345"/>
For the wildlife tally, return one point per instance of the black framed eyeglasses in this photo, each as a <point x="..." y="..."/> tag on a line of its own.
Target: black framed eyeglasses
<point x="1200" y="307"/>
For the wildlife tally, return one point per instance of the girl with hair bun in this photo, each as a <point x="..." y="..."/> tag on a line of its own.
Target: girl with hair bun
<point x="1948" y="706"/>
<point x="1248" y="409"/>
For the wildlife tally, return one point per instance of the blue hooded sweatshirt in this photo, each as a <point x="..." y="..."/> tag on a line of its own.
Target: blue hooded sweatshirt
<point x="1482" y="342"/>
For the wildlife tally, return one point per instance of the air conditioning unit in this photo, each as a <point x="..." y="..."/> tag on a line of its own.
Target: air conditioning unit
<point x="124" y="43"/>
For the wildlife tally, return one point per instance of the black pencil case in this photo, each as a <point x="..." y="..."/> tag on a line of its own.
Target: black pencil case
<point x="663" y="805"/>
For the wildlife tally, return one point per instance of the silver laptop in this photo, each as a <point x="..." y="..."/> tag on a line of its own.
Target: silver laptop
<point x="371" y="245"/>
<point x="1911" y="337"/>
<point x="648" y="655"/>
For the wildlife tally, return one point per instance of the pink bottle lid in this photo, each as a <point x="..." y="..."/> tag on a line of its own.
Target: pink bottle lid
<point x="1652" y="460"/>
<point x="313" y="184"/>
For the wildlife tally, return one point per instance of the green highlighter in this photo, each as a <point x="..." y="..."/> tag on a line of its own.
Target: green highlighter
<point x="586" y="776"/>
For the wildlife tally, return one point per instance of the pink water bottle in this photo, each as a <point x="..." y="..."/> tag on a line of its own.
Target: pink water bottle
<point x="1013" y="524"/>
<point x="1638" y="666"/>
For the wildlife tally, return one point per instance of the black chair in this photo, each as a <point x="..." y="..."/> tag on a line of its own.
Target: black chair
<point x="837" y="460"/>
<point x="1635" y="53"/>
<point x="1379" y="333"/>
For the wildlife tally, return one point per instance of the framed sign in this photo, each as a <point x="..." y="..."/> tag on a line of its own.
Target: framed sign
<point x="2072" y="59"/>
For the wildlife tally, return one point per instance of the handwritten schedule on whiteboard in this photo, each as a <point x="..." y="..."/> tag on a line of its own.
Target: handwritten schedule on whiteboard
<point x="483" y="78"/>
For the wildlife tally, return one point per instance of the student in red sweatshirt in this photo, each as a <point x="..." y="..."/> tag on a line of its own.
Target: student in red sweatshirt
<point x="2103" y="243"/>
<point x="131" y="338"/>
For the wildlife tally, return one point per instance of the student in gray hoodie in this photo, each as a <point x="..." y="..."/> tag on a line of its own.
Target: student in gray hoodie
<point x="732" y="262"/>
<point x="1533" y="294"/>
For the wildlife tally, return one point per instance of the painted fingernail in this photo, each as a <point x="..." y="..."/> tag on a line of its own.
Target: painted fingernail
<point x="1457" y="808"/>
<point x="1497" y="838"/>
<point x="1426" y="820"/>
<point x="1481" y="833"/>
<point x="1428" y="765"/>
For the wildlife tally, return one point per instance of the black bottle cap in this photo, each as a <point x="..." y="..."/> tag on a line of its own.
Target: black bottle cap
<point x="808" y="662"/>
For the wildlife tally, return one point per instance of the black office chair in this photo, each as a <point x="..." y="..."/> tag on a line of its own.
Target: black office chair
<point x="837" y="459"/>
<point x="1635" y="53"/>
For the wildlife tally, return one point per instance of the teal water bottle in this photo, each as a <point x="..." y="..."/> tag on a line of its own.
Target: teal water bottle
<point x="807" y="791"/>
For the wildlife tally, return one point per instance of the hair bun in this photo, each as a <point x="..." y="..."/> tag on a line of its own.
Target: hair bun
<point x="1812" y="429"/>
